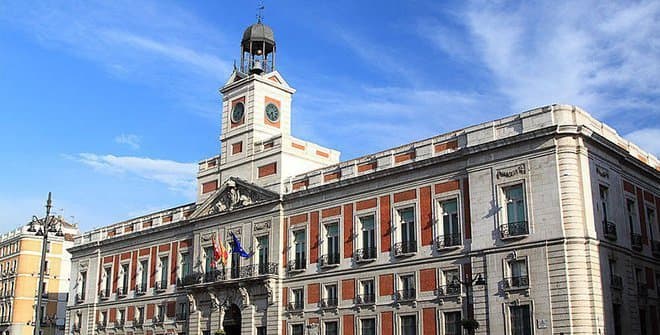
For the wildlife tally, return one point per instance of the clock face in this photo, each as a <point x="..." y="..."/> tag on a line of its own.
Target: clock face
<point x="238" y="112"/>
<point x="272" y="113"/>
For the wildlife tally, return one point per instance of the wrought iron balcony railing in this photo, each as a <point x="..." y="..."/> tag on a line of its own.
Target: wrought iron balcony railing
<point x="655" y="247"/>
<point x="191" y="279"/>
<point x="297" y="265"/>
<point x="80" y="297"/>
<point x="609" y="229"/>
<point x="448" y="241"/>
<point x="214" y="275"/>
<point x="160" y="285"/>
<point x="365" y="254"/>
<point x="104" y="294"/>
<point x="141" y="288"/>
<point x="256" y="270"/>
<point x="449" y="290"/>
<point x="405" y="295"/>
<point x="365" y="299"/>
<point x="516" y="282"/>
<point x="636" y="241"/>
<point x="616" y="282"/>
<point x="328" y="302"/>
<point x="295" y="306"/>
<point x="329" y="260"/>
<point x="514" y="229"/>
<point x="642" y="290"/>
<point x="122" y="291"/>
<point x="405" y="248"/>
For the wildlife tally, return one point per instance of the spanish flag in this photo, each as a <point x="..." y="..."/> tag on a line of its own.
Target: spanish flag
<point x="224" y="255"/>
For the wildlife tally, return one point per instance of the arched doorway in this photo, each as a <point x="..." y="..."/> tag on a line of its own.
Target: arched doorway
<point x="232" y="322"/>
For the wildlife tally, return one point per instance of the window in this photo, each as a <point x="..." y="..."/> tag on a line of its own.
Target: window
<point x="164" y="262"/>
<point x="300" y="256"/>
<point x="450" y="230"/>
<point x="160" y="313"/>
<point x="617" y="319"/>
<point x="642" y="322"/>
<point x="124" y="282"/>
<point x="452" y="284"/>
<point x="631" y="210"/>
<point x="514" y="212"/>
<point x="144" y="275"/>
<point x="332" y="245"/>
<point x="297" y="329"/>
<point x="518" y="272"/>
<point x="368" y="238"/>
<point x="104" y="318"/>
<point x="208" y="257"/>
<point x="367" y="292"/>
<point x="604" y="202"/>
<point x="330" y="299"/>
<point x="520" y="320"/>
<point x="615" y="280"/>
<point x="261" y="330"/>
<point x="262" y="245"/>
<point x="108" y="280"/>
<point x="139" y="315"/>
<point x="650" y="219"/>
<point x="82" y="287"/>
<point x="186" y="264"/>
<point x="408" y="235"/>
<point x="120" y="316"/>
<point x="368" y="327"/>
<point x="331" y="328"/>
<point x="408" y="325"/>
<point x="407" y="287"/>
<point x="298" y="298"/>
<point x="453" y="323"/>
<point x="183" y="311"/>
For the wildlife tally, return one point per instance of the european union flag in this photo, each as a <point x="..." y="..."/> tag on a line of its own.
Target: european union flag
<point x="237" y="248"/>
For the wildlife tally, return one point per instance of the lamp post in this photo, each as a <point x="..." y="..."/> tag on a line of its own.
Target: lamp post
<point x="47" y="225"/>
<point x="478" y="280"/>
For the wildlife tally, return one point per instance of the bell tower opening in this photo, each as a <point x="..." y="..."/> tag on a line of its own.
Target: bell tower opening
<point x="258" y="49"/>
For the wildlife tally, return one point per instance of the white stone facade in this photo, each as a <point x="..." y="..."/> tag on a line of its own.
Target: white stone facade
<point x="513" y="206"/>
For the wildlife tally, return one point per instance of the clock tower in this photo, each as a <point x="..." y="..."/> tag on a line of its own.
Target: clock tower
<point x="256" y="141"/>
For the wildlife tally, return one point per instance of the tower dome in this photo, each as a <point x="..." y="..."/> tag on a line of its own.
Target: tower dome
<point x="258" y="49"/>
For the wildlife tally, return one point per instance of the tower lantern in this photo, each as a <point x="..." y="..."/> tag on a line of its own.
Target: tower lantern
<point x="258" y="49"/>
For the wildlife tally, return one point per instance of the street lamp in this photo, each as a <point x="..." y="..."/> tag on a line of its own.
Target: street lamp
<point x="46" y="225"/>
<point x="478" y="280"/>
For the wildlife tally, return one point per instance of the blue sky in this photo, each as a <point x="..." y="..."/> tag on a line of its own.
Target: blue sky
<point x="110" y="104"/>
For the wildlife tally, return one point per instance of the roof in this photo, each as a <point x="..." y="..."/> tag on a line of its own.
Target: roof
<point x="258" y="32"/>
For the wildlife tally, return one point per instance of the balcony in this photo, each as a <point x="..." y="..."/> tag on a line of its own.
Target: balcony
<point x="158" y="319"/>
<point x="297" y="265"/>
<point x="120" y="323"/>
<point x="104" y="294"/>
<point x="80" y="297"/>
<point x="642" y="290"/>
<point x="257" y="270"/>
<point x="636" y="241"/>
<point x="328" y="303"/>
<point x="365" y="255"/>
<point x="515" y="283"/>
<point x="140" y="289"/>
<point x="616" y="282"/>
<point x="449" y="290"/>
<point x="405" y="248"/>
<point x="609" y="230"/>
<point x="405" y="295"/>
<point x="514" y="230"/>
<point x="122" y="292"/>
<point x="100" y="326"/>
<point x="191" y="279"/>
<point x="181" y="317"/>
<point x="329" y="260"/>
<point x="448" y="241"/>
<point x="655" y="245"/>
<point x="365" y="299"/>
<point x="295" y="306"/>
<point x="160" y="286"/>
<point x="214" y="275"/>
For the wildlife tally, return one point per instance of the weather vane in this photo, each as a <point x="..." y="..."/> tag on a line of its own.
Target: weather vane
<point x="260" y="11"/>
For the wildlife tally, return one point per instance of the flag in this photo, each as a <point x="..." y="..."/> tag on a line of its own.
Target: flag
<point x="237" y="248"/>
<point x="216" y="252"/>
<point x="224" y="255"/>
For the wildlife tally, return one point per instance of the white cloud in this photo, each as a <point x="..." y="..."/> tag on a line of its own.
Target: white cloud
<point x="590" y="53"/>
<point x="131" y="140"/>
<point x="647" y="139"/>
<point x="178" y="177"/>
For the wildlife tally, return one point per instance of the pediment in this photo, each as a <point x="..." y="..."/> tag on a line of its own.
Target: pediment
<point x="233" y="195"/>
<point x="235" y="76"/>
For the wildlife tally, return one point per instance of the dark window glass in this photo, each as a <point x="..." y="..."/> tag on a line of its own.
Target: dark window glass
<point x="520" y="320"/>
<point x="331" y="328"/>
<point x="408" y="325"/>
<point x="368" y="327"/>
<point x="453" y="323"/>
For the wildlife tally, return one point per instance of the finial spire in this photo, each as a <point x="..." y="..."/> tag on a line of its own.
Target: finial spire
<point x="260" y="11"/>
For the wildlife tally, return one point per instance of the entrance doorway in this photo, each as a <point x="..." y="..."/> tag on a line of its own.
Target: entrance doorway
<point x="232" y="322"/>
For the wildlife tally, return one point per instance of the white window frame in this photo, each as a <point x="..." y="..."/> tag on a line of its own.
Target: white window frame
<point x="396" y="222"/>
<point x="399" y="322"/>
<point x="438" y="227"/>
<point x="360" y="319"/>
<point x="507" y="320"/>
<point x="358" y="232"/>
<point x="292" y="236"/>
<point x="141" y="272"/>
<point x="323" y="237"/>
<point x="322" y="322"/>
<point x="442" y="320"/>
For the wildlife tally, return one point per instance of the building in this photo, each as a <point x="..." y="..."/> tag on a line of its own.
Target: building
<point x="543" y="222"/>
<point x="20" y="254"/>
